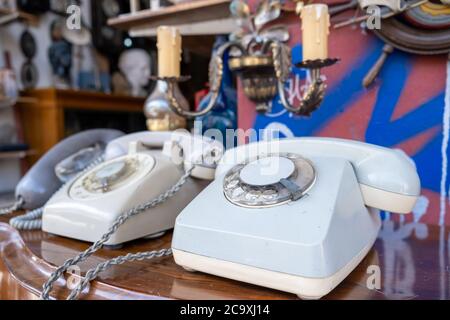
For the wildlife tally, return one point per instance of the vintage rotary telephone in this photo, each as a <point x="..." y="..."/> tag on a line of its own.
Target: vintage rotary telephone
<point x="131" y="196"/>
<point x="144" y="165"/>
<point x="296" y="215"/>
<point x="67" y="158"/>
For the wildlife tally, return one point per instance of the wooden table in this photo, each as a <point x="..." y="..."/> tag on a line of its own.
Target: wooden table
<point x="414" y="260"/>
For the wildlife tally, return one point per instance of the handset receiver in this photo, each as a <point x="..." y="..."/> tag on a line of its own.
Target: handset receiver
<point x="40" y="182"/>
<point x="388" y="178"/>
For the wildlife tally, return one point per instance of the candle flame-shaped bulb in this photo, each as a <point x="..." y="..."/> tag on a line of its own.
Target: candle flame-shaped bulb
<point x="315" y="27"/>
<point x="169" y="51"/>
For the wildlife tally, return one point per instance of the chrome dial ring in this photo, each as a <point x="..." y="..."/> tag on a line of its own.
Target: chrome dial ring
<point x="105" y="177"/>
<point x="261" y="196"/>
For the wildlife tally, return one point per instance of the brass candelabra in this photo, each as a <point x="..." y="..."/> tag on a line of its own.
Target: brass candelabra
<point x="262" y="60"/>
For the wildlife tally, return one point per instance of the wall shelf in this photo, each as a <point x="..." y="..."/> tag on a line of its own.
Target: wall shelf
<point x="200" y="17"/>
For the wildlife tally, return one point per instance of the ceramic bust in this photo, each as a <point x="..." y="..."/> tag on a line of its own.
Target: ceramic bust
<point x="135" y="66"/>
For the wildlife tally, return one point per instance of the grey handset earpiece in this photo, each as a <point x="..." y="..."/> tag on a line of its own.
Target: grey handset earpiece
<point x="41" y="182"/>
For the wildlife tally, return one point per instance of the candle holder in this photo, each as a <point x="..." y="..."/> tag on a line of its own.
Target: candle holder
<point x="260" y="57"/>
<point x="215" y="80"/>
<point x="258" y="78"/>
<point x="158" y="112"/>
<point x="263" y="74"/>
<point x="315" y="91"/>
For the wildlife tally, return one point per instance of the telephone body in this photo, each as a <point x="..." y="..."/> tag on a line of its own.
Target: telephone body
<point x="41" y="181"/>
<point x="86" y="208"/>
<point x="301" y="228"/>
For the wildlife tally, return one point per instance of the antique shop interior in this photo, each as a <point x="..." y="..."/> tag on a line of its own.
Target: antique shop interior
<point x="224" y="149"/>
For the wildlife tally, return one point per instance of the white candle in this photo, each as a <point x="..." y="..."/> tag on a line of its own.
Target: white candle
<point x="316" y="28"/>
<point x="169" y="51"/>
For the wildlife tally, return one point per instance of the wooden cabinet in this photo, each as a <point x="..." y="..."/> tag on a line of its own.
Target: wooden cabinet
<point x="44" y="119"/>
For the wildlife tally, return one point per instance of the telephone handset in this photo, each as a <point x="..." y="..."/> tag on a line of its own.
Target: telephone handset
<point x="296" y="215"/>
<point x="388" y="178"/>
<point x="87" y="207"/>
<point x="76" y="151"/>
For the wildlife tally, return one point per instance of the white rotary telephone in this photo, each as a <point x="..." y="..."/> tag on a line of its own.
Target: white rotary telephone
<point x="130" y="196"/>
<point x="297" y="215"/>
<point x="58" y="166"/>
<point x="141" y="166"/>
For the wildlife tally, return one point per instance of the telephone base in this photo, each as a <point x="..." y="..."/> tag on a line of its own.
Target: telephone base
<point x="87" y="219"/>
<point x="304" y="287"/>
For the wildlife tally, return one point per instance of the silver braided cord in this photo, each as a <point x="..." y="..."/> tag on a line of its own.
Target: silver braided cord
<point x="93" y="273"/>
<point x="14" y="207"/>
<point x="48" y="285"/>
<point x="32" y="219"/>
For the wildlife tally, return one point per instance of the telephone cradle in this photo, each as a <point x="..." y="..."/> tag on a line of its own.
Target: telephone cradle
<point x="297" y="219"/>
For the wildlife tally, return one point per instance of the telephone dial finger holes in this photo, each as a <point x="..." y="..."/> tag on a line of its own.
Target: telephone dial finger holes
<point x="112" y="175"/>
<point x="261" y="182"/>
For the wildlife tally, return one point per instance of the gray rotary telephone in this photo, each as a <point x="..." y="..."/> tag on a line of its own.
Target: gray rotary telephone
<point x="61" y="163"/>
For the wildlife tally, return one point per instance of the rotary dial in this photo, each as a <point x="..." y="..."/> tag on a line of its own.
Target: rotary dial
<point x="111" y="176"/>
<point x="73" y="165"/>
<point x="103" y="179"/>
<point x="269" y="181"/>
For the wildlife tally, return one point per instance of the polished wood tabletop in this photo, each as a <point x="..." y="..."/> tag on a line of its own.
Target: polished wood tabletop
<point x="412" y="260"/>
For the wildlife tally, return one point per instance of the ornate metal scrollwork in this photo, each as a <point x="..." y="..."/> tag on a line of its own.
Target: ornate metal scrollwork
<point x="215" y="80"/>
<point x="262" y="60"/>
<point x="314" y="93"/>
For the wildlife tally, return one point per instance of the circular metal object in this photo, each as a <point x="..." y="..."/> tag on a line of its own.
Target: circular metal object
<point x="430" y="15"/>
<point x="244" y="190"/>
<point x="417" y="31"/>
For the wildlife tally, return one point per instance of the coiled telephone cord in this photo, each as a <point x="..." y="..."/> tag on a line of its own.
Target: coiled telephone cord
<point x="32" y="220"/>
